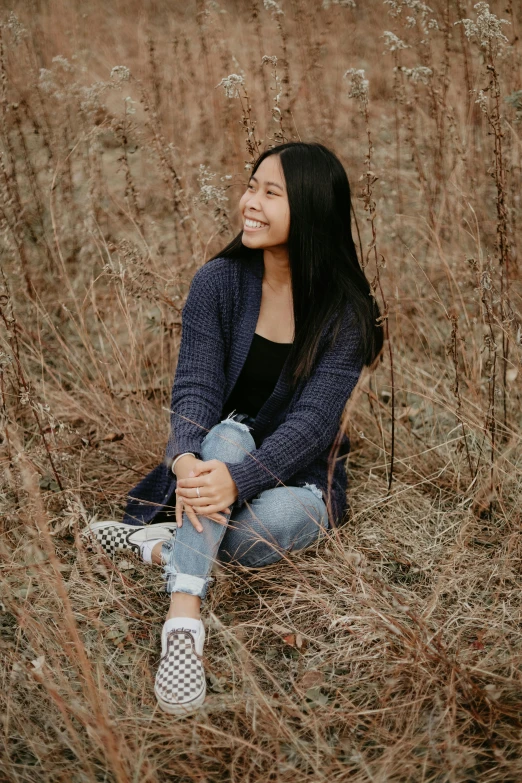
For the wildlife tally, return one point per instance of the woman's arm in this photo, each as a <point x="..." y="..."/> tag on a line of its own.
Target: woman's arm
<point x="313" y="424"/>
<point x="199" y="381"/>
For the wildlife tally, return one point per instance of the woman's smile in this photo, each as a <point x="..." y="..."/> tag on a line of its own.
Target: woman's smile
<point x="254" y="225"/>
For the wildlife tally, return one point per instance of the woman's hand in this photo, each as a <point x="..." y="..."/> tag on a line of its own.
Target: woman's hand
<point x="185" y="466"/>
<point x="183" y="506"/>
<point x="217" y="490"/>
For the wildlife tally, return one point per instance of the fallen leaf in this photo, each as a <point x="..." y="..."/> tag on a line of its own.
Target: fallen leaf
<point x="354" y="558"/>
<point x="281" y="629"/>
<point x="290" y="639"/>
<point x="47" y="482"/>
<point x="311" y="679"/>
<point x="217" y="684"/>
<point x="410" y="410"/>
<point x="316" y="696"/>
<point x="118" y="634"/>
<point x="493" y="691"/>
<point x="38" y="662"/>
<point x="126" y="565"/>
<point x="112" y="437"/>
<point x="23" y="592"/>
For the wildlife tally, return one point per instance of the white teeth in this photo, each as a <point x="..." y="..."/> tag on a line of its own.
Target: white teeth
<point x="254" y="223"/>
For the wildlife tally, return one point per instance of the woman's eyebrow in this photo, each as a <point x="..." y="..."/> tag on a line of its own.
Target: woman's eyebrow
<point x="275" y="184"/>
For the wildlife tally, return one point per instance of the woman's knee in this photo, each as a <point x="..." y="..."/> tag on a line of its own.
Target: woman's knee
<point x="291" y="511"/>
<point x="280" y="520"/>
<point x="228" y="441"/>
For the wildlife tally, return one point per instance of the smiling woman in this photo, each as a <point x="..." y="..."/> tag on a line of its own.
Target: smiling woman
<point x="279" y="325"/>
<point x="265" y="210"/>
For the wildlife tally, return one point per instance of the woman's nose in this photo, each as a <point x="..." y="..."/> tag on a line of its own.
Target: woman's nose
<point x="252" y="201"/>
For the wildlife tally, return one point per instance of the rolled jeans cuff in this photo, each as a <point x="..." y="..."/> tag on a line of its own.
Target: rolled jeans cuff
<point x="186" y="583"/>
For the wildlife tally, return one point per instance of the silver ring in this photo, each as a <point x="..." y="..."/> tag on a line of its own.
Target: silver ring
<point x="198" y="492"/>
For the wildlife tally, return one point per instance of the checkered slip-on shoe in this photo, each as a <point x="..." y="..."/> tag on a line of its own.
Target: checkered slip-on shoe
<point x="180" y="685"/>
<point x="117" y="536"/>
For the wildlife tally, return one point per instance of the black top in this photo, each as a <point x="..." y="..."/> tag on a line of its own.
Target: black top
<point x="258" y="377"/>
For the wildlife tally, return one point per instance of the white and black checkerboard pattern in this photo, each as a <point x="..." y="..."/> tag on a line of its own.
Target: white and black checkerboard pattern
<point x="180" y="677"/>
<point x="113" y="539"/>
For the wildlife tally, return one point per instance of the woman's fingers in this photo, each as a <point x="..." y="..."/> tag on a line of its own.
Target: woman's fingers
<point x="193" y="518"/>
<point x="192" y="496"/>
<point x="191" y="513"/>
<point x="217" y="518"/>
<point x="192" y="481"/>
<point x="202" y="504"/>
<point x="208" y="511"/>
<point x="179" y="511"/>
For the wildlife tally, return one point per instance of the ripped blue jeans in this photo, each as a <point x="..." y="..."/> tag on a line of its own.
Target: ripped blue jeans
<point x="274" y="522"/>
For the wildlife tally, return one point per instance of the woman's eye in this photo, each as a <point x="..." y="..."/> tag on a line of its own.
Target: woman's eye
<point x="271" y="192"/>
<point x="268" y="191"/>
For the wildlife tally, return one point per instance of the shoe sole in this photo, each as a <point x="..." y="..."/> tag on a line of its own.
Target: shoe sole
<point x="90" y="535"/>
<point x="93" y="526"/>
<point x="181" y="709"/>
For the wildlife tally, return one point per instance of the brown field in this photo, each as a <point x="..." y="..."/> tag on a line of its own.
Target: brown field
<point x="393" y="651"/>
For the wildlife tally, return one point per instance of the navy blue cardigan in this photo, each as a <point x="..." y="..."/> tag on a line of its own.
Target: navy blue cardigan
<point x="295" y="432"/>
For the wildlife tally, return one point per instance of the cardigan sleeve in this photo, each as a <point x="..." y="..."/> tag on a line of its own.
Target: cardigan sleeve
<point x="311" y="426"/>
<point x="199" y="381"/>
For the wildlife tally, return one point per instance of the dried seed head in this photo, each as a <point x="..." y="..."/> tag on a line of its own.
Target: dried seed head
<point x="419" y="8"/>
<point x="486" y="28"/>
<point x="482" y="101"/>
<point x="343" y="3"/>
<point x="396" y="7"/>
<point x="207" y="192"/>
<point x="231" y="85"/>
<point x="392" y="42"/>
<point x="16" y="28"/>
<point x="358" y="85"/>
<point x="63" y="62"/>
<point x="121" y="73"/>
<point x="417" y="74"/>
<point x="129" y="105"/>
<point x="273" y="7"/>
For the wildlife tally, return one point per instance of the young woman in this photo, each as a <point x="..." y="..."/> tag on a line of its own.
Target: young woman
<point x="276" y="329"/>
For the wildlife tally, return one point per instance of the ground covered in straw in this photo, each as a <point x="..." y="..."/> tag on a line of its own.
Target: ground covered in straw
<point x="392" y="650"/>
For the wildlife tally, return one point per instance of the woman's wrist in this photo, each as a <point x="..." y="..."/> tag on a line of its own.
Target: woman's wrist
<point x="181" y="459"/>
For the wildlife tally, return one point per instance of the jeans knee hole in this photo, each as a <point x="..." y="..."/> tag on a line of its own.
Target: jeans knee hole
<point x="238" y="424"/>
<point x="312" y="487"/>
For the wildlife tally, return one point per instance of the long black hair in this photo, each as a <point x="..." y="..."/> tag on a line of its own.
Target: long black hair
<point x="324" y="268"/>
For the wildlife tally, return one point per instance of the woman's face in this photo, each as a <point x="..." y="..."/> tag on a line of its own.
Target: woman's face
<point x="265" y="200"/>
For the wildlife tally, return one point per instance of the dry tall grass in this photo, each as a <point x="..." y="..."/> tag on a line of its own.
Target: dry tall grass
<point x="392" y="652"/>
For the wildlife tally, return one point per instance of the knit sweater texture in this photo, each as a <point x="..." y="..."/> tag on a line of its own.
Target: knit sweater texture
<point x="298" y="433"/>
